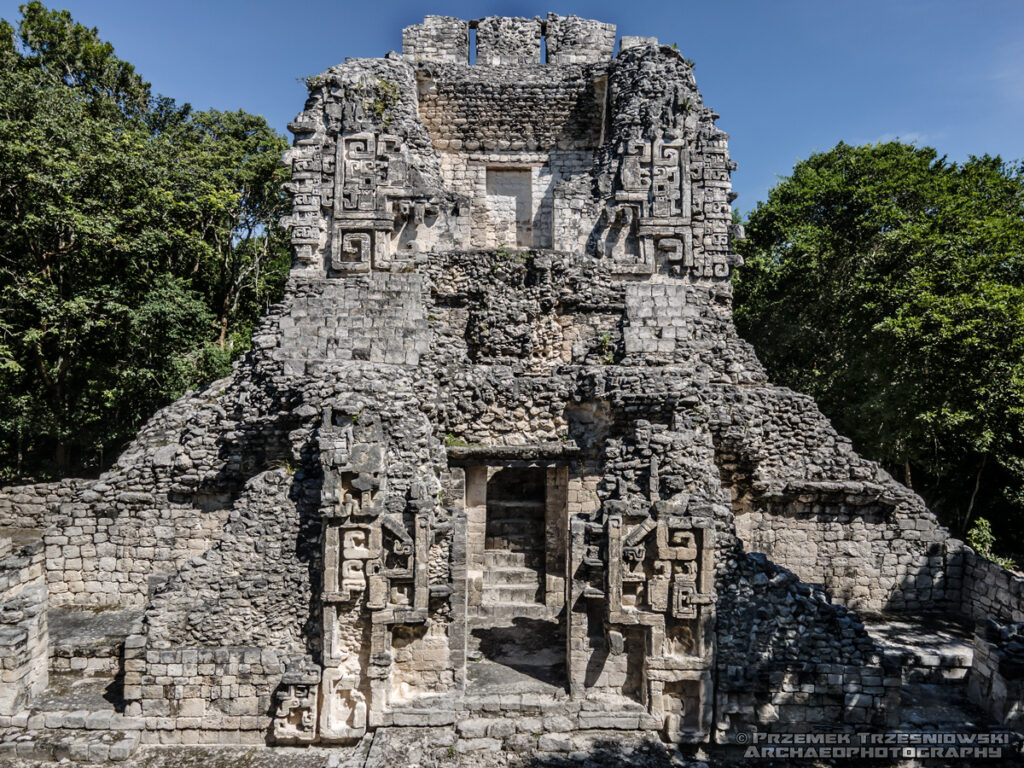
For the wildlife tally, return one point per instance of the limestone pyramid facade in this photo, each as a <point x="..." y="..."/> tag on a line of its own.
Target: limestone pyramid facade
<point x="499" y="455"/>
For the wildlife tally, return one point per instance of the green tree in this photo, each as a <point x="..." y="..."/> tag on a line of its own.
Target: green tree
<point x="889" y="283"/>
<point x="138" y="244"/>
<point x="53" y="43"/>
<point x="228" y="184"/>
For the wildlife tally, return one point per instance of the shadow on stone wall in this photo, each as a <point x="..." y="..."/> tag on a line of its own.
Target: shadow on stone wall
<point x="306" y="492"/>
<point x="933" y="587"/>
<point x="787" y="654"/>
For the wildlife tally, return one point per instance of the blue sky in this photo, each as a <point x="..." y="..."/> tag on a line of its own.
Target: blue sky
<point x="788" y="76"/>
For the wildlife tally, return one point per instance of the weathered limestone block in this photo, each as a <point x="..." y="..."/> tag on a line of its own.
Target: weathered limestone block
<point x="442" y="39"/>
<point x="503" y="41"/>
<point x="24" y="641"/>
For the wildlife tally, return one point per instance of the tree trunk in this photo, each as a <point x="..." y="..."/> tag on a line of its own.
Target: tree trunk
<point x="974" y="495"/>
<point x="62" y="452"/>
<point x="225" y="313"/>
<point x="907" y="480"/>
<point x="61" y="457"/>
<point x="223" y="331"/>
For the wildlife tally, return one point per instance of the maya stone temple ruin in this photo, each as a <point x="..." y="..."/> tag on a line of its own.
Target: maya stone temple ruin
<point x="498" y="470"/>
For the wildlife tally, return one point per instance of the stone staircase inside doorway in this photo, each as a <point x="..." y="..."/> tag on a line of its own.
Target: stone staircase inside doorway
<point x="511" y="588"/>
<point x="514" y="551"/>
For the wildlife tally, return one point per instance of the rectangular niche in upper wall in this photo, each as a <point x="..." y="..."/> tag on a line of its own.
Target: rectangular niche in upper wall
<point x="510" y="206"/>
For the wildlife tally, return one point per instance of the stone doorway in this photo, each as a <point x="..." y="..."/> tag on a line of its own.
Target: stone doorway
<point x="510" y="200"/>
<point x="516" y="536"/>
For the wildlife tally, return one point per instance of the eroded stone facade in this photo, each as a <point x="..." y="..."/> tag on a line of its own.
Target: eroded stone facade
<point x="500" y="453"/>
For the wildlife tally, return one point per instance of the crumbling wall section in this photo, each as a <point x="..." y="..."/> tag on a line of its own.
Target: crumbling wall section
<point x="438" y="39"/>
<point x="809" y="503"/>
<point x="219" y="634"/>
<point x="996" y="681"/>
<point x="164" y="501"/>
<point x="24" y="641"/>
<point x="36" y="505"/>
<point x="503" y="41"/>
<point x="791" y="660"/>
<point x="111" y="540"/>
<point x="510" y="42"/>
<point x="990" y="591"/>
<point x="572" y="40"/>
<point x="268" y="546"/>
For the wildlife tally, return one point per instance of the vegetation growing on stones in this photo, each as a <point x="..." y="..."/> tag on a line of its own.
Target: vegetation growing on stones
<point x="981" y="539"/>
<point x="381" y="98"/>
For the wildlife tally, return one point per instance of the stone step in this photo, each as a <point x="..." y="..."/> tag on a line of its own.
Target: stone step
<point x="513" y="524"/>
<point x="88" y="642"/>
<point x="952" y="675"/>
<point x="513" y="536"/>
<point x="79" y="746"/>
<point x="510" y="593"/>
<point x="530" y="506"/>
<point x="931" y="649"/>
<point x="939" y="707"/>
<point x="512" y="575"/>
<point x="501" y="558"/>
<point x="509" y="611"/>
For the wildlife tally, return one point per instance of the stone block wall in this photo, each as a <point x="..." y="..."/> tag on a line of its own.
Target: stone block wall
<point x="989" y="590"/>
<point x="421" y="656"/>
<point x="504" y="41"/>
<point x="863" y="554"/>
<point x="269" y="545"/>
<point x="214" y="650"/>
<point x="466" y="108"/>
<point x="572" y="40"/>
<point x="439" y="39"/>
<point x="814" y="697"/>
<point x="680" y="324"/>
<point x="791" y="660"/>
<point x="111" y="541"/>
<point x="108" y="555"/>
<point x="35" y="506"/>
<point x="105" y="538"/>
<point x="375" y="318"/>
<point x="24" y="649"/>
<point x="996" y="680"/>
<point x="101" y="661"/>
<point x="200" y="695"/>
<point x="802" y="497"/>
